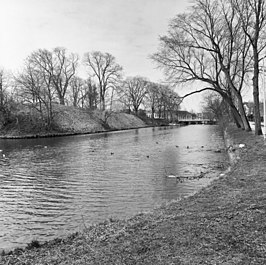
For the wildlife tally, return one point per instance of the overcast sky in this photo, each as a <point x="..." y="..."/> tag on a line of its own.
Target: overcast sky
<point x="128" y="29"/>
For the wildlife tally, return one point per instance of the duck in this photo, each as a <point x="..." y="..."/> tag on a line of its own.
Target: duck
<point x="201" y="175"/>
<point x="177" y="178"/>
<point x="171" y="176"/>
<point x="218" y="151"/>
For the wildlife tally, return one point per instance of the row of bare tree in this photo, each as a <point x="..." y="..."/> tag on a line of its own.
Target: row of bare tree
<point x="157" y="98"/>
<point x="50" y="77"/>
<point x="221" y="44"/>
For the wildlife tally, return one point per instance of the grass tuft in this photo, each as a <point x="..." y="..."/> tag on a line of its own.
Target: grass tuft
<point x="33" y="244"/>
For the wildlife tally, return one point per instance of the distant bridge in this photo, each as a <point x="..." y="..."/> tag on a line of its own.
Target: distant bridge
<point x="196" y="121"/>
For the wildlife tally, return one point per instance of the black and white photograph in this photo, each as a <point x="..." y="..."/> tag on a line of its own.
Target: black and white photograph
<point x="132" y="132"/>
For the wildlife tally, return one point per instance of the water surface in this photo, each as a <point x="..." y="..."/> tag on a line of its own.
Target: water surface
<point x="53" y="186"/>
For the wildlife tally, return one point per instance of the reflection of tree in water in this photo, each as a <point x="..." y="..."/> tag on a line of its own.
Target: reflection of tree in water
<point x="171" y="166"/>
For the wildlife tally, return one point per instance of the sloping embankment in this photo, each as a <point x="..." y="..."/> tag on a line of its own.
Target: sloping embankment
<point x="225" y="223"/>
<point x="69" y="121"/>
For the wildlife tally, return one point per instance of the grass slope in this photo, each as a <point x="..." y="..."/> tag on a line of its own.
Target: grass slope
<point x="68" y="120"/>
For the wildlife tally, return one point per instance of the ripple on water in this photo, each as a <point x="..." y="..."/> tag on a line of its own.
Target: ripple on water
<point x="50" y="187"/>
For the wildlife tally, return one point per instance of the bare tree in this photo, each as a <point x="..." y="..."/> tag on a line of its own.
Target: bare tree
<point x="152" y="97"/>
<point x="58" y="66"/>
<point x="214" y="104"/>
<point x="63" y="69"/>
<point x="6" y="100"/>
<point x="252" y="14"/>
<point x="2" y="90"/>
<point x="103" y="66"/>
<point x="169" y="102"/>
<point x="90" y="94"/>
<point x="122" y="98"/>
<point x="83" y="93"/>
<point x="35" y="85"/>
<point x="206" y="45"/>
<point x="76" y="87"/>
<point x="134" y="90"/>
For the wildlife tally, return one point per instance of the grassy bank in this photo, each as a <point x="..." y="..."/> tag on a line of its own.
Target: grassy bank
<point x="67" y="120"/>
<point x="225" y="223"/>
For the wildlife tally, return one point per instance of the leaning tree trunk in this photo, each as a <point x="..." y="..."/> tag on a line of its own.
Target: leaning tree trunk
<point x="243" y="113"/>
<point x="235" y="92"/>
<point x="241" y="110"/>
<point x="235" y="113"/>
<point x="237" y="118"/>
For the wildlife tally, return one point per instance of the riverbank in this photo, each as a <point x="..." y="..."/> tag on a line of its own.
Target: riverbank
<point x="67" y="120"/>
<point x="222" y="224"/>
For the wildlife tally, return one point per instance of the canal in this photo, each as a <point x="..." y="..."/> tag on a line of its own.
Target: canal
<point x="50" y="187"/>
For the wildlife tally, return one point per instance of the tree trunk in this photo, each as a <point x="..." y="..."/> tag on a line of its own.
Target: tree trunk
<point x="235" y="113"/>
<point x="102" y="103"/>
<point x="112" y="95"/>
<point x="152" y="114"/>
<point x="237" y="118"/>
<point x="136" y="109"/>
<point x="61" y="100"/>
<point x="244" y="123"/>
<point x="243" y="113"/>
<point x="1" y="96"/>
<point x="257" y="118"/>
